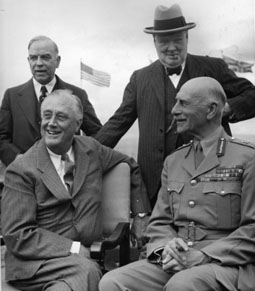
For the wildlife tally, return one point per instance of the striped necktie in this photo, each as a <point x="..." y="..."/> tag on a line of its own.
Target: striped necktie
<point x="69" y="172"/>
<point x="43" y="94"/>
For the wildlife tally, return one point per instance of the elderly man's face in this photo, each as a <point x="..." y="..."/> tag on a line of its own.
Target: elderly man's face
<point x="190" y="113"/>
<point x="172" y="48"/>
<point x="59" y="123"/>
<point x="43" y="61"/>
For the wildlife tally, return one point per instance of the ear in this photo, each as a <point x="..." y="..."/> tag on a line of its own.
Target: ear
<point x="79" y="123"/>
<point x="58" y="61"/>
<point x="212" y="110"/>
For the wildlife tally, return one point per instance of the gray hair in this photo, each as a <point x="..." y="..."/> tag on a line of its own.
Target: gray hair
<point x="68" y="93"/>
<point x="45" y="38"/>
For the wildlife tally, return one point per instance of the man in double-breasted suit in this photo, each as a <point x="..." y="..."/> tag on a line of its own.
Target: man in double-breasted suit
<point x="20" y="109"/>
<point x="201" y="231"/>
<point x="49" y="220"/>
<point x="150" y="95"/>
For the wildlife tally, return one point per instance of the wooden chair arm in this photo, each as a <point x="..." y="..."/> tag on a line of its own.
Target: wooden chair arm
<point x="119" y="237"/>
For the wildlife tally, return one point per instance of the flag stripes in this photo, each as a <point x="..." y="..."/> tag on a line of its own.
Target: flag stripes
<point x="96" y="77"/>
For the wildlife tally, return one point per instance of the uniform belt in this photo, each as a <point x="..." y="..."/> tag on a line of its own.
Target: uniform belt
<point x="193" y="233"/>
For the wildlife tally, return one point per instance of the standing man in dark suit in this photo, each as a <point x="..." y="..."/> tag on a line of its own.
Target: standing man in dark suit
<point x="20" y="110"/>
<point x="49" y="222"/>
<point x="150" y="95"/>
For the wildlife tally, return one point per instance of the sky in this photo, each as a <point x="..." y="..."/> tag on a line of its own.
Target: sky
<point x="108" y="36"/>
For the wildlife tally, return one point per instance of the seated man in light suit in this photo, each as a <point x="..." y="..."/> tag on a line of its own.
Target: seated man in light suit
<point x="202" y="229"/>
<point x="49" y="221"/>
<point x="20" y="109"/>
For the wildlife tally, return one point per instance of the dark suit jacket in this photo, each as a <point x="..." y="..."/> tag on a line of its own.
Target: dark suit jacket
<point x="40" y="219"/>
<point x="144" y="98"/>
<point x="20" y="118"/>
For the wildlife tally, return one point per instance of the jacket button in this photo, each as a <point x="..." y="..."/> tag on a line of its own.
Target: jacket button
<point x="193" y="182"/>
<point x="192" y="203"/>
<point x="190" y="243"/>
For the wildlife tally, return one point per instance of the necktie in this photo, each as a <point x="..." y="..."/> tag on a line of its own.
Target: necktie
<point x="171" y="71"/>
<point x="199" y="155"/>
<point x="69" y="172"/>
<point x="43" y="94"/>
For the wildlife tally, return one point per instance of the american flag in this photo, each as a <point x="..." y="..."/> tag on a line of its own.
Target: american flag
<point x="96" y="77"/>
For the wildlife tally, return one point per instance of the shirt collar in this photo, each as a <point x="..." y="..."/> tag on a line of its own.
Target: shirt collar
<point x="49" y="86"/>
<point x="208" y="142"/>
<point x="56" y="159"/>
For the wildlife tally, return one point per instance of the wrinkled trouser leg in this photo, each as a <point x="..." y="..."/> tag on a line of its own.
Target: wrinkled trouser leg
<point x="74" y="272"/>
<point x="204" y="278"/>
<point x="137" y="276"/>
<point x="144" y="276"/>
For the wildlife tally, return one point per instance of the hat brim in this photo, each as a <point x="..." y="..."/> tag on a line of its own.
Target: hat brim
<point x="151" y="30"/>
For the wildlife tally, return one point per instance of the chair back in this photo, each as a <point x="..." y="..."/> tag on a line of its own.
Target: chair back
<point x="116" y="197"/>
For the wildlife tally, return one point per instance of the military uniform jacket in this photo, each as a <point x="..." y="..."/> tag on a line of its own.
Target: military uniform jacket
<point x="212" y="207"/>
<point x="144" y="99"/>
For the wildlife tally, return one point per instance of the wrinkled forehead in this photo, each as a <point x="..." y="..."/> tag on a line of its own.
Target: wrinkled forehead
<point x="58" y="103"/>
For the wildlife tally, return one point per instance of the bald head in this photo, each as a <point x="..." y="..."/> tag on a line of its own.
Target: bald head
<point x="199" y="106"/>
<point x="206" y="88"/>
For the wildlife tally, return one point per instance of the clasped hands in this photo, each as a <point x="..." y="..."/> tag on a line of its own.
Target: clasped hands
<point x="177" y="256"/>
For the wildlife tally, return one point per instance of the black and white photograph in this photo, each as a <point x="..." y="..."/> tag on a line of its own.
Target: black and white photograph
<point x="127" y="145"/>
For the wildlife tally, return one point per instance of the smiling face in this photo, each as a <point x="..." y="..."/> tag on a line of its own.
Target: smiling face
<point x="193" y="111"/>
<point x="172" y="48"/>
<point x="43" y="60"/>
<point x="61" y="119"/>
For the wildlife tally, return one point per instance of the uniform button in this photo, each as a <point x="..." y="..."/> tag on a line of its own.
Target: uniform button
<point x="192" y="203"/>
<point x="190" y="243"/>
<point x="222" y="192"/>
<point x="193" y="182"/>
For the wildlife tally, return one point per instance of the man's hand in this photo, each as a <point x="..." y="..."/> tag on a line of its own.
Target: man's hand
<point x="138" y="231"/>
<point x="173" y="255"/>
<point x="177" y="256"/>
<point x="196" y="258"/>
<point x="227" y="110"/>
<point x="84" y="252"/>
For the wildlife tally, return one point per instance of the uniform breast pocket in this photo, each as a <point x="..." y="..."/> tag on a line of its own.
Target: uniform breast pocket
<point x="224" y="199"/>
<point x="174" y="190"/>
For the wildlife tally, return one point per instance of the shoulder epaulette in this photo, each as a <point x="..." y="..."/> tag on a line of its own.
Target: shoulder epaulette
<point x="242" y="142"/>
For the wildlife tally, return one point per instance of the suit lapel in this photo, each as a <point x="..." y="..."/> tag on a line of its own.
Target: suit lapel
<point x="210" y="161"/>
<point x="59" y="84"/>
<point x="82" y="161"/>
<point x="29" y="104"/>
<point x="49" y="175"/>
<point x="157" y="81"/>
<point x="192" y="70"/>
<point x="189" y="164"/>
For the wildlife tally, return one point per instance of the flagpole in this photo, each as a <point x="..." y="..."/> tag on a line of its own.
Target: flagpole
<point x="80" y="73"/>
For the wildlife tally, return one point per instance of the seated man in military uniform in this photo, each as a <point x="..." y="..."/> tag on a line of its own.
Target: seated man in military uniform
<point x="202" y="229"/>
